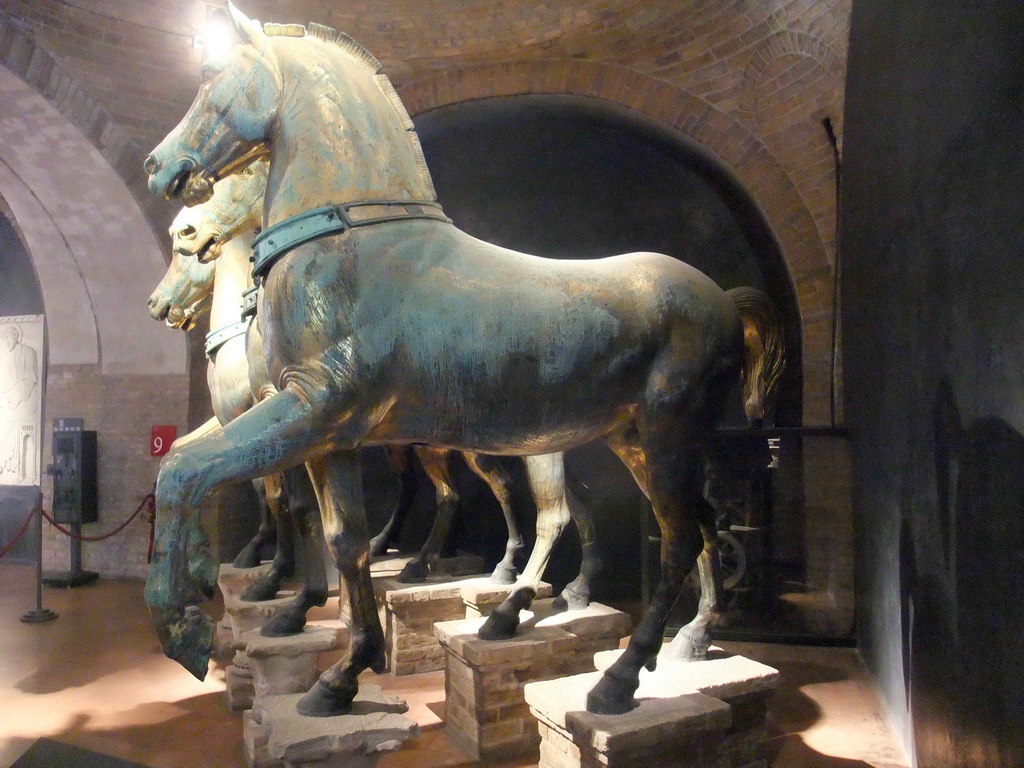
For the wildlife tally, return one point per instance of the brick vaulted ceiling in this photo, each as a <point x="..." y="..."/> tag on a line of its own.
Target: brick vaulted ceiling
<point x="749" y="80"/>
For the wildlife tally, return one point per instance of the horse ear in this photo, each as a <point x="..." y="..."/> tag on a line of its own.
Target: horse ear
<point x="250" y="29"/>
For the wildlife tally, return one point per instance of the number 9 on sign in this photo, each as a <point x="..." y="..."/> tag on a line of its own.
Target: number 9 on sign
<point x="161" y="437"/>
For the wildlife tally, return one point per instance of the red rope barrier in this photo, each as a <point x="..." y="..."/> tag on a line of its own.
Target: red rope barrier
<point x="148" y="500"/>
<point x="18" y="535"/>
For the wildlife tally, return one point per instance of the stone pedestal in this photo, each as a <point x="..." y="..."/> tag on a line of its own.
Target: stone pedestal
<point x="240" y="681"/>
<point x="245" y="617"/>
<point x="408" y="613"/>
<point x="699" y="714"/>
<point x="276" y="736"/>
<point x="283" y="665"/>
<point x="232" y="582"/>
<point x="485" y="708"/>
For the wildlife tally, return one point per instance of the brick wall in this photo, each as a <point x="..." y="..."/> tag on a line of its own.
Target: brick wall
<point x="121" y="410"/>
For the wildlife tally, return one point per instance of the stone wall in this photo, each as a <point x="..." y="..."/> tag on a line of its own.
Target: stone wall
<point x="933" y="265"/>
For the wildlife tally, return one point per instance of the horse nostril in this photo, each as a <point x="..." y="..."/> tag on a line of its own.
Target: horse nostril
<point x="149" y="165"/>
<point x="187" y="231"/>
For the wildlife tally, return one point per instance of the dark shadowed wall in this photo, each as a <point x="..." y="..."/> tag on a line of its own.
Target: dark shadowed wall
<point x="933" y="265"/>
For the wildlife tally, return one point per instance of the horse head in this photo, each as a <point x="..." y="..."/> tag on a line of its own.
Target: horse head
<point x="235" y="207"/>
<point x="183" y="293"/>
<point x="198" y="236"/>
<point x="228" y="124"/>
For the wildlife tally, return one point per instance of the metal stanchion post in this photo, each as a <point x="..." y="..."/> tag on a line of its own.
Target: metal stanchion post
<point x="40" y="614"/>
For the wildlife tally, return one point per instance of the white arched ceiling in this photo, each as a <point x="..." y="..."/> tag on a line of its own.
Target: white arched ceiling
<point x="94" y="254"/>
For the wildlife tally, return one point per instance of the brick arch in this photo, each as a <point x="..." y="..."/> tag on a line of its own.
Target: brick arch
<point x="740" y="153"/>
<point x="774" y="47"/>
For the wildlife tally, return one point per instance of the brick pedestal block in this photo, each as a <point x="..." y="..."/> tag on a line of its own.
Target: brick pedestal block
<point x="485" y="709"/>
<point x="408" y="613"/>
<point x="276" y="736"/>
<point x="481" y="595"/>
<point x="700" y="714"/>
<point x="385" y="568"/>
<point x="283" y="665"/>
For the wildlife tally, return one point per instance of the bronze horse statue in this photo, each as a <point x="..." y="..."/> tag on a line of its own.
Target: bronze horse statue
<point x="383" y="323"/>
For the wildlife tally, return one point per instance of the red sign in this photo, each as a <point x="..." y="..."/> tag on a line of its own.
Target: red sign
<point x="161" y="437"/>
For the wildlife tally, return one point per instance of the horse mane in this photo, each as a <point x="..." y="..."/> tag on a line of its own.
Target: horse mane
<point x="368" y="63"/>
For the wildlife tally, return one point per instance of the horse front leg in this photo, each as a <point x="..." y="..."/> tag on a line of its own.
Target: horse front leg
<point x="399" y="459"/>
<point x="270" y="437"/>
<point x="278" y="505"/>
<point x="337" y="479"/>
<point x="547" y="483"/>
<point x="435" y="464"/>
<point x="304" y="516"/>
<point x="249" y="557"/>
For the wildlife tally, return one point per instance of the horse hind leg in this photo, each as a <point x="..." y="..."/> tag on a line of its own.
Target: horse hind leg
<point x="576" y="594"/>
<point x="309" y="532"/>
<point x="491" y="472"/>
<point x="670" y="475"/>
<point x="435" y="464"/>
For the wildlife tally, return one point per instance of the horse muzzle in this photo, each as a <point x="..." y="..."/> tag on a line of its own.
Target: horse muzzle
<point x="178" y="180"/>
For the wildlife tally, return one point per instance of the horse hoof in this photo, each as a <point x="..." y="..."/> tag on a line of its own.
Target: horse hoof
<point x="504" y="575"/>
<point x="498" y="626"/>
<point x="284" y="624"/>
<point x="322" y="701"/>
<point x="378" y="546"/>
<point x="686" y="647"/>
<point x="186" y="638"/>
<point x="260" y="590"/>
<point x="610" y="697"/>
<point x="571" y="600"/>
<point x="504" y="621"/>
<point x="249" y="557"/>
<point x="413" y="573"/>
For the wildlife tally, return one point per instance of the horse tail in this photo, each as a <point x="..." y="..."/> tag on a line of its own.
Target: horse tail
<point x="764" y="352"/>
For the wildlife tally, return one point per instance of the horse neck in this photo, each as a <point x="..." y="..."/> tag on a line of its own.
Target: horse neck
<point x="314" y="161"/>
<point x="233" y="276"/>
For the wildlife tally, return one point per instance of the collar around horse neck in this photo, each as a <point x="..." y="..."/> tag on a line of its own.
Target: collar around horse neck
<point x="273" y="242"/>
<point x="216" y="339"/>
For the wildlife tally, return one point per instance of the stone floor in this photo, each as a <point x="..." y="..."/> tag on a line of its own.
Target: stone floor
<point x="95" y="678"/>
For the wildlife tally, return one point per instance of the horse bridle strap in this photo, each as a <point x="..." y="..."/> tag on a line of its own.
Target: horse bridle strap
<point x="216" y="339"/>
<point x="273" y="242"/>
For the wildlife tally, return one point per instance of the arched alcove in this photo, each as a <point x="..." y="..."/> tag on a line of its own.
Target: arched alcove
<point x="575" y="177"/>
<point x="19" y="295"/>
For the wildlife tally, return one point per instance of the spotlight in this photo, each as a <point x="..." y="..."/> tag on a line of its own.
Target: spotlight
<point x="218" y="35"/>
